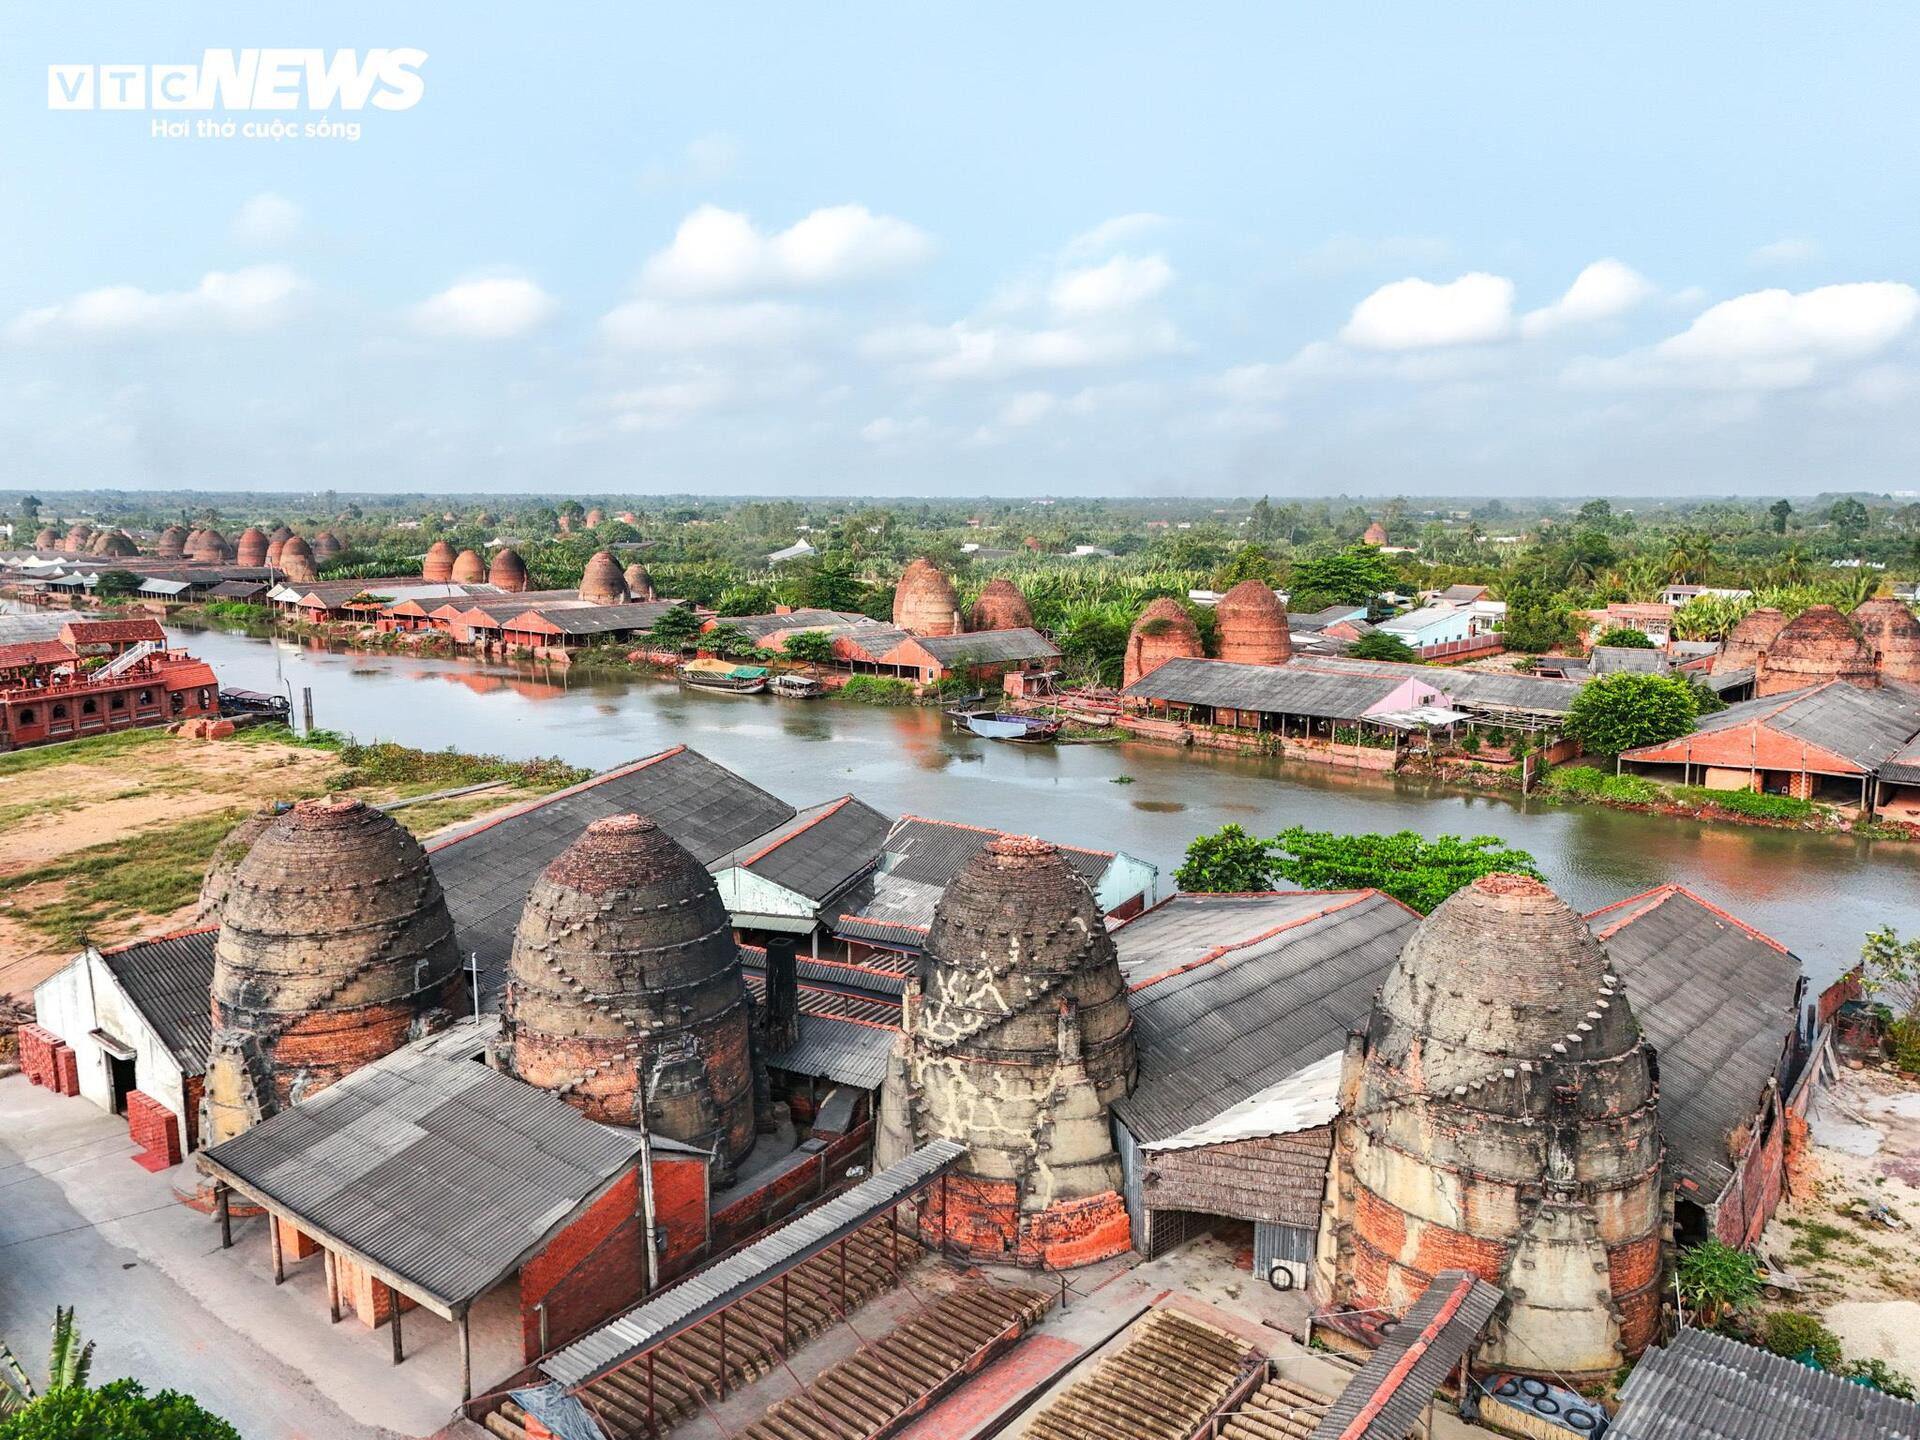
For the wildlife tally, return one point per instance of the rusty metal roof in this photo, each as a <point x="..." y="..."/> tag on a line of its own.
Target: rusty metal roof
<point x="708" y="1291"/>
<point x="1705" y="1385"/>
<point x="440" y="1174"/>
<point x="1384" y="1401"/>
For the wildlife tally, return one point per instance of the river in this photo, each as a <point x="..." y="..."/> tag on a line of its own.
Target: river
<point x="1817" y="893"/>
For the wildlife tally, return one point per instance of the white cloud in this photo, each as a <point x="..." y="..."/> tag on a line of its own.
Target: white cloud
<point x="1120" y="284"/>
<point x="1026" y="408"/>
<point x="889" y="431"/>
<point x="664" y="403"/>
<point x="662" y="326"/>
<point x="718" y="252"/>
<point x="268" y="220"/>
<point x="1604" y="290"/>
<point x="1109" y="234"/>
<point x="1768" y="340"/>
<point x="255" y="298"/>
<point x="706" y="160"/>
<point x="1418" y="314"/>
<point x="501" y="307"/>
<point x="1782" y="253"/>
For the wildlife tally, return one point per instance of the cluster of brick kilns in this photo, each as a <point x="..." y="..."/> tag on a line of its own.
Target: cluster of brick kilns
<point x="625" y="993"/>
<point x="1499" y="1115"/>
<point x="1880" y="640"/>
<point x="1017" y="1038"/>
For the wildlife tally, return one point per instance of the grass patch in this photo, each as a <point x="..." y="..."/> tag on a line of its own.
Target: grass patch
<point x="94" y="750"/>
<point x="1585" y="782"/>
<point x="401" y="768"/>
<point x="152" y="873"/>
<point x="1815" y="1239"/>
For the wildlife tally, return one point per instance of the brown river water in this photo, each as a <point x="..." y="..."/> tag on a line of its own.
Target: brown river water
<point x="1817" y="893"/>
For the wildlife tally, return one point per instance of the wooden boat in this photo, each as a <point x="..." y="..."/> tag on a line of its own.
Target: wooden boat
<point x="724" y="677"/>
<point x="254" y="702"/>
<point x="1002" y="725"/>
<point x="797" y="687"/>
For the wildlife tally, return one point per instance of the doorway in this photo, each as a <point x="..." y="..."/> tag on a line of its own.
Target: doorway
<point x="121" y="1081"/>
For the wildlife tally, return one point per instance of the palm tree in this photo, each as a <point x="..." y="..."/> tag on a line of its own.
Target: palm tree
<point x="68" y="1364"/>
<point x="1791" y="568"/>
<point x="1689" y="556"/>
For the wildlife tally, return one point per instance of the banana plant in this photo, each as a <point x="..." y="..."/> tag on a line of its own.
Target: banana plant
<point x="68" y="1365"/>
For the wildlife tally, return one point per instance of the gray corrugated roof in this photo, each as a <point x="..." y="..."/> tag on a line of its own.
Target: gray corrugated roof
<point x="488" y="868"/>
<point x="1403" y="1375"/>
<point x="1903" y="767"/>
<point x="759" y="627"/>
<point x="1719" y="1003"/>
<point x="168" y="981"/>
<point x="1255" y="988"/>
<point x="988" y="647"/>
<point x="19" y="629"/>
<point x="873" y="641"/>
<point x="439" y="1172"/>
<point x="1616" y="659"/>
<point x="1707" y="1387"/>
<point x="603" y="619"/>
<point x="932" y="851"/>
<point x="1866" y="727"/>
<point x="819" y="852"/>
<point x="1333" y="688"/>
<point x="707" y="1291"/>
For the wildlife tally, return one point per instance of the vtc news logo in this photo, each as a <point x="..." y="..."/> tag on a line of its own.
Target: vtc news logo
<point x="247" y="80"/>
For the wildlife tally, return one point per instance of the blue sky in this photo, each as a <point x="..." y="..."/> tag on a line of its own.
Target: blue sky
<point x="955" y="250"/>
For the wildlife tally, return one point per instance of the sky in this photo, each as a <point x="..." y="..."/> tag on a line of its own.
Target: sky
<point x="954" y="250"/>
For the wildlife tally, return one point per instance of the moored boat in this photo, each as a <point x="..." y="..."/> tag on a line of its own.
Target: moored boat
<point x="797" y="687"/>
<point x="724" y="677"/>
<point x="1003" y="725"/>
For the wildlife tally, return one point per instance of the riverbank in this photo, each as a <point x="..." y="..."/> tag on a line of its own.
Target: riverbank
<point x="105" y="839"/>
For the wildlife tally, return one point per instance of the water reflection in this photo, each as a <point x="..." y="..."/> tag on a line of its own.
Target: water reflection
<point x="1818" y="893"/>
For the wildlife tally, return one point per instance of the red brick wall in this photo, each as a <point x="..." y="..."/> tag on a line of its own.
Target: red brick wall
<point x="330" y="1045"/>
<point x="37" y="1045"/>
<point x="982" y="1219"/>
<point x="366" y="1294"/>
<point x="810" y="1172"/>
<point x="192" y="1089"/>
<point x="295" y="1244"/>
<point x="680" y="1211"/>
<point x="594" y="1268"/>
<point x="155" y="1129"/>
<point x="1751" y="1199"/>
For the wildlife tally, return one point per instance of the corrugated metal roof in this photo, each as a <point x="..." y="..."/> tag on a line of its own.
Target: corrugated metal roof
<point x="1705" y="1387"/>
<point x="440" y="1172"/>
<point x="1720" y="1005"/>
<point x="168" y="981"/>
<point x="819" y="852"/>
<point x="602" y="619"/>
<point x="759" y="627"/>
<point x="1336" y="688"/>
<point x="1385" y="1399"/>
<point x="987" y="647"/>
<point x="1866" y="727"/>
<point x="707" y="1291"/>
<point x="1233" y="994"/>
<point x="488" y="868"/>
<point x="1903" y="767"/>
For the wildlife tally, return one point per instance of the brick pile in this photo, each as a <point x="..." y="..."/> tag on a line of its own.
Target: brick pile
<point x="155" y="1129"/>
<point x="48" y="1060"/>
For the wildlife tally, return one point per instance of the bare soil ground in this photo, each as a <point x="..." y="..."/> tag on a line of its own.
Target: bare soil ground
<point x="1862" y="1274"/>
<point x="109" y="842"/>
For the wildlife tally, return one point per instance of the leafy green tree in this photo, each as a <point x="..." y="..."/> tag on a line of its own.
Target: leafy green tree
<point x="1227" y="862"/>
<point x="1382" y="645"/>
<point x="1536" y="621"/>
<point x="1094" y="643"/>
<point x="1714" y="1279"/>
<point x="1849" y="517"/>
<point x="815" y="647"/>
<point x="68" y="1364"/>
<point x="750" y="599"/>
<point x="829" y="583"/>
<point x="116" y="584"/>
<point x="1890" y="969"/>
<point x="1794" y="1333"/>
<point x="729" y="642"/>
<point x="1249" y="562"/>
<point x="1596" y="514"/>
<point x="1417" y="871"/>
<point x="1621" y="712"/>
<point x="1261" y="526"/>
<point x="1781" y="511"/>
<point x="1625" y="637"/>
<point x="675" y="627"/>
<point x="118" y="1410"/>
<point x="1353" y="576"/>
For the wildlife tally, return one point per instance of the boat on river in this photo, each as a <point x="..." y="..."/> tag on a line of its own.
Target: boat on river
<point x="1005" y="725"/>
<point x="724" y="677"/>
<point x="797" y="687"/>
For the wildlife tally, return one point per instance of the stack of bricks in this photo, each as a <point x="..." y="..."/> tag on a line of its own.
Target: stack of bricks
<point x="155" y="1129"/>
<point x="48" y="1060"/>
<point x="366" y="1294"/>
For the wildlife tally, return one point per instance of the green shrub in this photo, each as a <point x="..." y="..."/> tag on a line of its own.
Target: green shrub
<point x="1800" y="1336"/>
<point x="877" y="690"/>
<point x="1580" y="781"/>
<point x="1904" y="1037"/>
<point x="1630" y="790"/>
<point x="1752" y="802"/>
<point x="1715" y="1278"/>
<point x="1880" y="1376"/>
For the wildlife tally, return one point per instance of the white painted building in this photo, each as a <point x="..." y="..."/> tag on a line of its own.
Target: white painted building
<point x="138" y="1017"/>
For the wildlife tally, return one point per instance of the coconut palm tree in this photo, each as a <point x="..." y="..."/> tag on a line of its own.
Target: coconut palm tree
<point x="68" y="1364"/>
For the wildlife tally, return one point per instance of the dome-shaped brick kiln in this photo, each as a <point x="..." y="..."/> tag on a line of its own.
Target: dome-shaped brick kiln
<point x="924" y="602"/>
<point x="296" y="559"/>
<point x="508" y="572"/>
<point x="1001" y="606"/>
<point x="251" y="548"/>
<point x="1498" y="1114"/>
<point x="1252" y="625"/>
<point x="639" y="582"/>
<point x="326" y="545"/>
<point x="1751" y="634"/>
<point x="625" y="988"/>
<point x="469" y="568"/>
<point x="1816" y="646"/>
<point x="437" y="567"/>
<point x="602" y="583"/>
<point x="1163" y="632"/>
<point x="335" y="949"/>
<point x="1891" y="634"/>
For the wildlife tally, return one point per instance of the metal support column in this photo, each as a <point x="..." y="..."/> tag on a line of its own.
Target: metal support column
<point x="222" y="1198"/>
<point x="651" y="1423"/>
<point x="393" y="1319"/>
<point x="721" y="1373"/>
<point x="332" y="1267"/>
<point x="279" y="1255"/>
